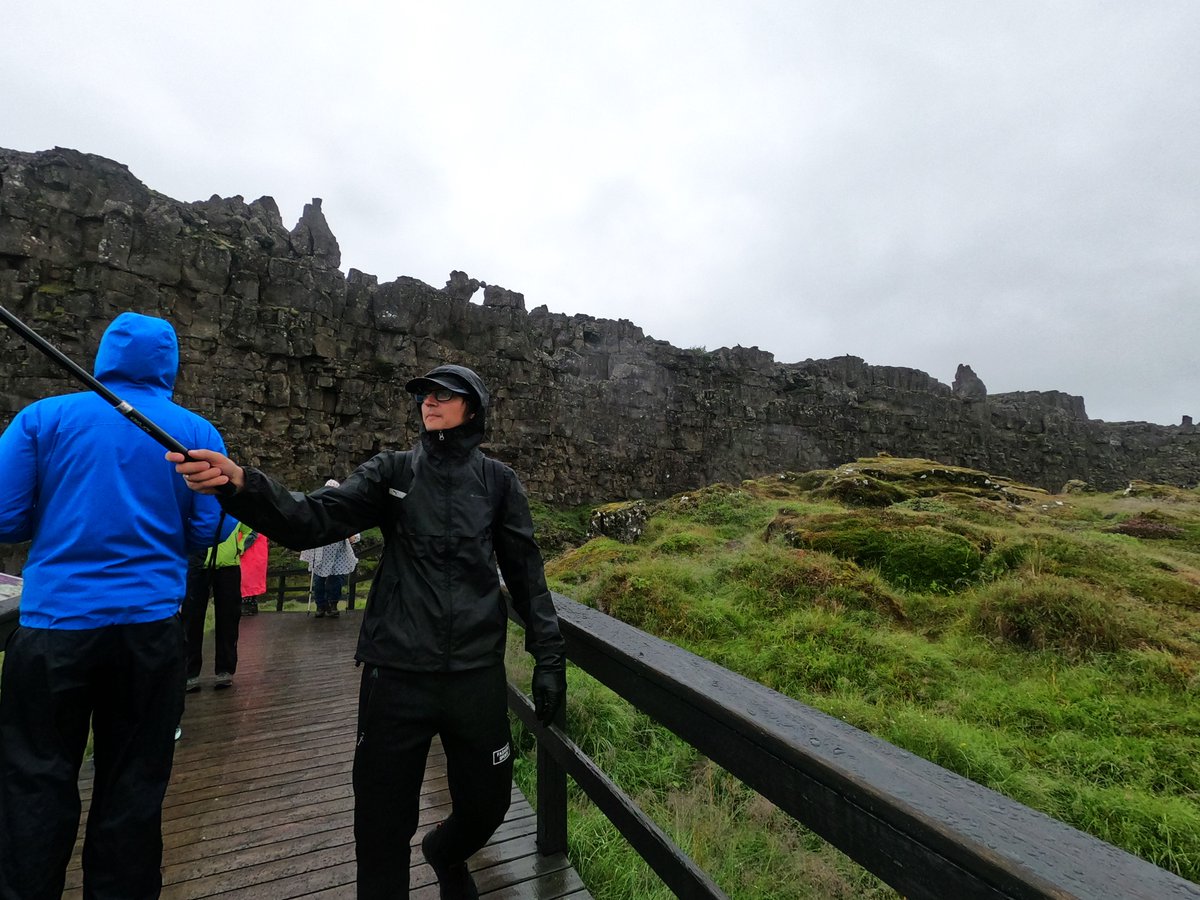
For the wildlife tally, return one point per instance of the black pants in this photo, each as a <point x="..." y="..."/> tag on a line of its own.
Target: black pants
<point x="127" y="682"/>
<point x="225" y="585"/>
<point x="327" y="590"/>
<point x="398" y="715"/>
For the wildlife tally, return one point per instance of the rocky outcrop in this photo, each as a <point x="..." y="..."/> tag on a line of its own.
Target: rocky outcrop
<point x="302" y="367"/>
<point x="622" y="522"/>
<point x="967" y="385"/>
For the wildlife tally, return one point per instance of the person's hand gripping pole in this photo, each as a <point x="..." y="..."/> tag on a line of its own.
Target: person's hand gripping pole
<point x="208" y="472"/>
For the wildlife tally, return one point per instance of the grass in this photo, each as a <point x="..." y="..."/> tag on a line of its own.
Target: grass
<point x="1045" y="646"/>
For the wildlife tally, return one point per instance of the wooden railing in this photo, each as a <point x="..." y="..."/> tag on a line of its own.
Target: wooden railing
<point x="929" y="833"/>
<point x="10" y="611"/>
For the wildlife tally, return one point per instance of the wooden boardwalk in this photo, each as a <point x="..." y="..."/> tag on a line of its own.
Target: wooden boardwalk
<point x="260" y="805"/>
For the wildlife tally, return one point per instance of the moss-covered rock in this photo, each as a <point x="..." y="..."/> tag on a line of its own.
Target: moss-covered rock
<point x="908" y="553"/>
<point x="622" y="522"/>
<point x="1050" y="613"/>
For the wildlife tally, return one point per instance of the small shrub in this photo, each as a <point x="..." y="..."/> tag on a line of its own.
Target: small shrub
<point x="584" y="563"/>
<point x="929" y="559"/>
<point x="557" y="530"/>
<point x="1148" y="526"/>
<point x="652" y="596"/>
<point x="911" y="556"/>
<point x="776" y="579"/>
<point x="682" y="543"/>
<point x="861" y="490"/>
<point x="1049" y="614"/>
<point x="720" y="505"/>
<point x="1005" y="558"/>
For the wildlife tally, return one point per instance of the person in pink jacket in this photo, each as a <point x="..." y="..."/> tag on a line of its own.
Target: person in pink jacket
<point x="254" y="572"/>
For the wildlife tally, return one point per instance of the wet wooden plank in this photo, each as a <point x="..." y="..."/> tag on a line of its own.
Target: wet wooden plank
<point x="260" y="805"/>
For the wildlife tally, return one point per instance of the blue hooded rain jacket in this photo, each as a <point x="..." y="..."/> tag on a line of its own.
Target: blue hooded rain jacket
<point x="110" y="521"/>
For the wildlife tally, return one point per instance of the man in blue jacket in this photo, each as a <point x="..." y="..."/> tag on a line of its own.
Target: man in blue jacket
<point x="100" y="641"/>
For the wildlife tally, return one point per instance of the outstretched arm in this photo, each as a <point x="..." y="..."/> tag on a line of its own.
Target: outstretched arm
<point x="295" y="520"/>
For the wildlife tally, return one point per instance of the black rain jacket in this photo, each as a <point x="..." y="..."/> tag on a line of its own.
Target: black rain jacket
<point x="448" y="514"/>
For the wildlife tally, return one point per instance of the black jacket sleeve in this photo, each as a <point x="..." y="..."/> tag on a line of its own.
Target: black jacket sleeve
<point x="299" y="521"/>
<point x="525" y="576"/>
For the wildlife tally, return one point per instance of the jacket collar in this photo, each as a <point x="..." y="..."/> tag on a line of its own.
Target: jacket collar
<point x="451" y="442"/>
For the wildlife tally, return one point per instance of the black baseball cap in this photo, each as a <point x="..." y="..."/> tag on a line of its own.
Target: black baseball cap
<point x="427" y="384"/>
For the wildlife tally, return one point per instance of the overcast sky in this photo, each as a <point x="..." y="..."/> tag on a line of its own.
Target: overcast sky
<point x="1011" y="185"/>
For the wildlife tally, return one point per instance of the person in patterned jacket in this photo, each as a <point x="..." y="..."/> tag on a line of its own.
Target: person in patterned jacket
<point x="330" y="565"/>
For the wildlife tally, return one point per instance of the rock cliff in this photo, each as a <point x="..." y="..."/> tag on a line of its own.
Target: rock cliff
<point x="302" y="366"/>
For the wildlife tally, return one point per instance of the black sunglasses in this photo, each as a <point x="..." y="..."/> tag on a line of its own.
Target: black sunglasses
<point x="441" y="396"/>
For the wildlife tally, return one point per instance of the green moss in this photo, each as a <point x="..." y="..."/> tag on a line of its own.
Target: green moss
<point x="862" y="490"/>
<point x="1004" y="633"/>
<point x="580" y="564"/>
<point x="909" y="554"/>
<point x="1050" y="613"/>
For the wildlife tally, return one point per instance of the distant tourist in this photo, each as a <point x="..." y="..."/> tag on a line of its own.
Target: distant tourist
<point x="329" y="566"/>
<point x="100" y="644"/>
<point x="433" y="633"/>
<point x="216" y="574"/>
<point x="254" y="572"/>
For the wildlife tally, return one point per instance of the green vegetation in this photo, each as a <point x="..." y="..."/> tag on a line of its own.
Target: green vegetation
<point x="559" y="530"/>
<point x="1047" y="646"/>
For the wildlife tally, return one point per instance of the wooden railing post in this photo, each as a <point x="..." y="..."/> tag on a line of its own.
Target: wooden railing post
<point x="552" y="795"/>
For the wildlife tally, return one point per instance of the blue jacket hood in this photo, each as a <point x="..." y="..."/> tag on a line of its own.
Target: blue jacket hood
<point x="137" y="349"/>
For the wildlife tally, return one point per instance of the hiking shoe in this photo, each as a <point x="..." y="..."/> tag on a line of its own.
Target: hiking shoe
<point x="454" y="881"/>
<point x="192" y="685"/>
<point x="332" y="614"/>
<point x="319" y="614"/>
<point x="223" y="680"/>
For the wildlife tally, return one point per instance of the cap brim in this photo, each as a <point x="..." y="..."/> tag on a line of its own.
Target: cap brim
<point x="425" y="385"/>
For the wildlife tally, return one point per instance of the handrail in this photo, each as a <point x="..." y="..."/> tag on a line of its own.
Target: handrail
<point x="10" y="613"/>
<point x="926" y="831"/>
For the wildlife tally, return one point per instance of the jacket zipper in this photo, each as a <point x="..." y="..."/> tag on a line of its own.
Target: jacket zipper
<point x="449" y="516"/>
<point x="373" y="687"/>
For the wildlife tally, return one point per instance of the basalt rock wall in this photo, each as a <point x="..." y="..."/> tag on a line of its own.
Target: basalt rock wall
<point x="302" y="367"/>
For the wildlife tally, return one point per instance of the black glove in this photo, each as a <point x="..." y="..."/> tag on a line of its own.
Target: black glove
<point x="549" y="688"/>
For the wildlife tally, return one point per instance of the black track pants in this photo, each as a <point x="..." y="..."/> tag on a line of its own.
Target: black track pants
<point x="398" y="715"/>
<point x="225" y="584"/>
<point x="127" y="681"/>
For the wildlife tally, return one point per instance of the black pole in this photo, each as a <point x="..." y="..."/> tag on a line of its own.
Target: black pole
<point x="92" y="384"/>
